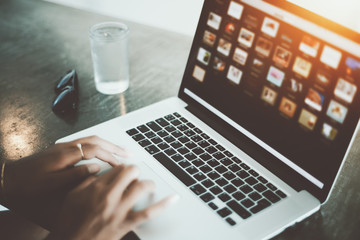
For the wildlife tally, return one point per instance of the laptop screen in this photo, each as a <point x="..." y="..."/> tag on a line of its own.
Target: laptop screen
<point x="281" y="79"/>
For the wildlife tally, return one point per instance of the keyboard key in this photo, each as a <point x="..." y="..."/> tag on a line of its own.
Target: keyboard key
<point x="207" y="197"/>
<point x="213" y="206"/>
<point x="184" y="164"/>
<point x="196" y="138"/>
<point x="215" y="190"/>
<point x="182" y="127"/>
<point x="163" y="146"/>
<point x="189" y="133"/>
<point x="205" y="157"/>
<point x="271" y="196"/>
<point x="190" y="145"/>
<point x="199" y="176"/>
<point x="162" y="133"/>
<point x="272" y="187"/>
<point x="175" y="169"/>
<point x="255" y="196"/>
<point x="154" y="126"/>
<point x="190" y="156"/>
<point x="162" y="122"/>
<point x="224" y="212"/>
<point x="205" y="169"/>
<point x="234" y="168"/>
<point x="183" y="150"/>
<point x="156" y="140"/>
<point x="170" y="128"/>
<point x="226" y="161"/>
<point x="176" y="114"/>
<point x="176" y="122"/>
<point x="197" y="130"/>
<point x="192" y="170"/>
<point x="184" y="120"/>
<point x="213" y="175"/>
<point x="145" y="143"/>
<point x="281" y="194"/>
<point x="218" y="155"/>
<point x="176" y="144"/>
<point x="235" y="159"/>
<point x="220" y="148"/>
<point x="251" y="181"/>
<point x="207" y="183"/>
<point x="210" y="149"/>
<point x="177" y="157"/>
<point x="230" y="221"/>
<point x="132" y="132"/>
<point x="221" y="169"/>
<point x="169" y="139"/>
<point x="143" y="128"/>
<point x="204" y="136"/>
<point x="203" y="144"/>
<point x="212" y="142"/>
<point x="237" y="182"/>
<point x="150" y="134"/>
<point x="184" y="139"/>
<point x="170" y="152"/>
<point x="190" y="125"/>
<point x="238" y="209"/>
<point x="246" y="189"/>
<point x="229" y="175"/>
<point x="198" y="162"/>
<point x="222" y="182"/>
<point x="169" y="117"/>
<point x="138" y="137"/>
<point x="263" y="180"/>
<point x="260" y="187"/>
<point x="213" y="163"/>
<point x="228" y="154"/>
<point x="177" y="133"/>
<point x="198" y="151"/>
<point x="261" y="205"/>
<point x="242" y="174"/>
<point x="224" y="197"/>
<point x="152" y="149"/>
<point x="244" y="166"/>
<point x="238" y="195"/>
<point x="254" y="173"/>
<point x="230" y="188"/>
<point x="247" y="203"/>
<point x="198" y="189"/>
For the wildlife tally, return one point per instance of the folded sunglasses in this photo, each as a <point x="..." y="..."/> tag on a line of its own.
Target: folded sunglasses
<point x="67" y="90"/>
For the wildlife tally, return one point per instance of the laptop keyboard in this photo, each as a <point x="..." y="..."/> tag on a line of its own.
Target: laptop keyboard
<point x="220" y="179"/>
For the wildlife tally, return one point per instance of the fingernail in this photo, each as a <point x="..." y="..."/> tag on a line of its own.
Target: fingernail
<point x="94" y="168"/>
<point x="172" y="199"/>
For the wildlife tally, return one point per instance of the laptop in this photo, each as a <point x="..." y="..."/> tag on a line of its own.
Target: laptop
<point x="264" y="119"/>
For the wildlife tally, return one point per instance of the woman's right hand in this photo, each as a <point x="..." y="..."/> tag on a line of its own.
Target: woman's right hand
<point x="101" y="207"/>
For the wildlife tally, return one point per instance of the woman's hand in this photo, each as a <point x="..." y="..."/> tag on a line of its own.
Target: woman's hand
<point x="36" y="186"/>
<point x="101" y="208"/>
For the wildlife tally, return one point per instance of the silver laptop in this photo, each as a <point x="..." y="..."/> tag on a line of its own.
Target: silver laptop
<point x="265" y="115"/>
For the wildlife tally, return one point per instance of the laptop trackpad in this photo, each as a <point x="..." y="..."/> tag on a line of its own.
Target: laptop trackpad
<point x="161" y="191"/>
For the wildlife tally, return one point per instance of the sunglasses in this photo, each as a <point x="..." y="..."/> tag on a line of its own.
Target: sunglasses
<point x="67" y="90"/>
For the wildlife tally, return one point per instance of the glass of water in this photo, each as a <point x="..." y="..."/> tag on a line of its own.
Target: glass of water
<point x="109" y="51"/>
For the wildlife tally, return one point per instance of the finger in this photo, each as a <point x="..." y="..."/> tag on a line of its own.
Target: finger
<point x="119" y="178"/>
<point x="95" y="151"/>
<point x="73" y="175"/>
<point x="135" y="191"/>
<point x="106" y="145"/>
<point x="137" y="218"/>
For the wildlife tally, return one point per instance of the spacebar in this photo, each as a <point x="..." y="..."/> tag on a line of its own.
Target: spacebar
<point x="174" y="169"/>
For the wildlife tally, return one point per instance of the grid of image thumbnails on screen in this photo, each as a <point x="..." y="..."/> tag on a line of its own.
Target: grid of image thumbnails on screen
<point x="303" y="78"/>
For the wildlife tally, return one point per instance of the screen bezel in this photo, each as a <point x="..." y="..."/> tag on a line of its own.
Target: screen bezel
<point x="284" y="172"/>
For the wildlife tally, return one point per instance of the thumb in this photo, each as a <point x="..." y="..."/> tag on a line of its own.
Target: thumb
<point x="74" y="175"/>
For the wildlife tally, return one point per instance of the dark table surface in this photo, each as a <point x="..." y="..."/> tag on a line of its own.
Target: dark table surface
<point x="40" y="41"/>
